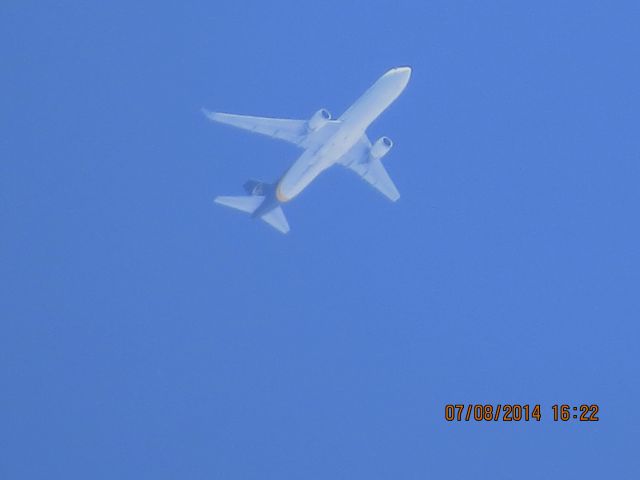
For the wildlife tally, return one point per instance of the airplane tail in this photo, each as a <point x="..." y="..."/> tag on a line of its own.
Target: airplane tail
<point x="250" y="203"/>
<point x="275" y="217"/>
<point x="246" y="204"/>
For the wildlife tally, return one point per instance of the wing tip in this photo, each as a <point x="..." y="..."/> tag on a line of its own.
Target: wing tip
<point x="206" y="113"/>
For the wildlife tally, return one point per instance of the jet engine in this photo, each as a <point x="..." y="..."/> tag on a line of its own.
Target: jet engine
<point x="381" y="147"/>
<point x="319" y="119"/>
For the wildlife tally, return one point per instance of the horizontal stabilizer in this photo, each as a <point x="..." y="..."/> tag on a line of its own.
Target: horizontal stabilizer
<point x="276" y="219"/>
<point x="244" y="204"/>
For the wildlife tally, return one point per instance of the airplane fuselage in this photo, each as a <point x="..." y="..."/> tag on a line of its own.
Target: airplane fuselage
<point x="351" y="126"/>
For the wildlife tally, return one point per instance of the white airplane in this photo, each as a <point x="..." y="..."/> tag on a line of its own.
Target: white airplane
<point x="325" y="143"/>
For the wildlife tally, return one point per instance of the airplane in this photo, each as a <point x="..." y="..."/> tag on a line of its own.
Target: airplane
<point x="325" y="142"/>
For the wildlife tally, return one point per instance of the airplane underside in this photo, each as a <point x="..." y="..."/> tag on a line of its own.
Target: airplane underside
<point x="325" y="142"/>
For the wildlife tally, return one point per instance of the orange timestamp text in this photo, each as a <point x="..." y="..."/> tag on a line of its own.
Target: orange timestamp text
<point x="516" y="412"/>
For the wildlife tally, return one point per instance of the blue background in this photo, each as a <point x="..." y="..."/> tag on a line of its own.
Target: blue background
<point x="147" y="333"/>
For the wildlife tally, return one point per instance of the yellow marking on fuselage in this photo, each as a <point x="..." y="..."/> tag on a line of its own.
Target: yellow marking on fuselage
<point x="280" y="196"/>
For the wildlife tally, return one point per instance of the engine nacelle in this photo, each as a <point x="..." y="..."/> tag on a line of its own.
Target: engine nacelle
<point x="381" y="147"/>
<point x="319" y="119"/>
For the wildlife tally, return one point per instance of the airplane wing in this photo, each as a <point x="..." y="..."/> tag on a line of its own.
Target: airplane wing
<point x="293" y="131"/>
<point x="289" y="130"/>
<point x="370" y="169"/>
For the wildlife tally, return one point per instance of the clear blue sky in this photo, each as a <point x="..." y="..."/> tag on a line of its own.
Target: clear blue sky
<point x="147" y="333"/>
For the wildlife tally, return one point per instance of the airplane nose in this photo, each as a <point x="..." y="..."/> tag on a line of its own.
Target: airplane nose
<point x="395" y="80"/>
<point x="400" y="76"/>
<point x="404" y="71"/>
<point x="400" y="73"/>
